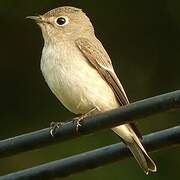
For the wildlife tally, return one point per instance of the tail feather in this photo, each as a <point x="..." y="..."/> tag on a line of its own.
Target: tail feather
<point x="135" y="146"/>
<point x="143" y="159"/>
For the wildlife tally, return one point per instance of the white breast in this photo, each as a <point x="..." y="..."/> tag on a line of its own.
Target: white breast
<point x="74" y="81"/>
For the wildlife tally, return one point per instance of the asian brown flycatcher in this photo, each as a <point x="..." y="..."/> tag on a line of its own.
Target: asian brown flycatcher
<point x="79" y="72"/>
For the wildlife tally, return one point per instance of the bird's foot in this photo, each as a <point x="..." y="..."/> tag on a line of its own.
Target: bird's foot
<point x="77" y="121"/>
<point x="80" y="118"/>
<point x="54" y="126"/>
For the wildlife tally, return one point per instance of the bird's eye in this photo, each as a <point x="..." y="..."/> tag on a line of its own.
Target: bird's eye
<point x="62" y="21"/>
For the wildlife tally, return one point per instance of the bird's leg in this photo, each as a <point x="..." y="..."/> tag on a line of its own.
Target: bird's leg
<point x="54" y="126"/>
<point x="78" y="119"/>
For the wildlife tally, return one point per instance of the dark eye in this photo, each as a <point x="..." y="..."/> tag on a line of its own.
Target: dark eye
<point x="61" y="21"/>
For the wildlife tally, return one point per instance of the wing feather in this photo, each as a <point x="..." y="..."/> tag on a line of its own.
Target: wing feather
<point x="99" y="59"/>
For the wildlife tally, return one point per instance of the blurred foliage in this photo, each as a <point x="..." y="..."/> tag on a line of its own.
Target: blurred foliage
<point x="143" y="40"/>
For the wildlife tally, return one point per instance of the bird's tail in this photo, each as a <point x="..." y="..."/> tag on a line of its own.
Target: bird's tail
<point x="135" y="146"/>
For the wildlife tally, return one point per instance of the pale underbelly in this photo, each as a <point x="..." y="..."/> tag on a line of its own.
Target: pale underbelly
<point x="81" y="89"/>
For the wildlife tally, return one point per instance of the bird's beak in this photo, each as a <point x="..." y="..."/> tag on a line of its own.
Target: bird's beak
<point x="37" y="19"/>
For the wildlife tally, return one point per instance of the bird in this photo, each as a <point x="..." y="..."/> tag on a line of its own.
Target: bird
<point x="79" y="72"/>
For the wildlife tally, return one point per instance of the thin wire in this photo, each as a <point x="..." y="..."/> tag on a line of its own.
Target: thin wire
<point x="93" y="159"/>
<point x="131" y="112"/>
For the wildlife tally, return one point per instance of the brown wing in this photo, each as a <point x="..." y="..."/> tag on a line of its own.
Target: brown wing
<point x="99" y="58"/>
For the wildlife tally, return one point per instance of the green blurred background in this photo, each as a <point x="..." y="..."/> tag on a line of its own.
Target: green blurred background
<point x="143" y="40"/>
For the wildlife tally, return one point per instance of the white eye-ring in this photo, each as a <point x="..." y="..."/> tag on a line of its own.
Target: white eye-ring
<point x="62" y="20"/>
